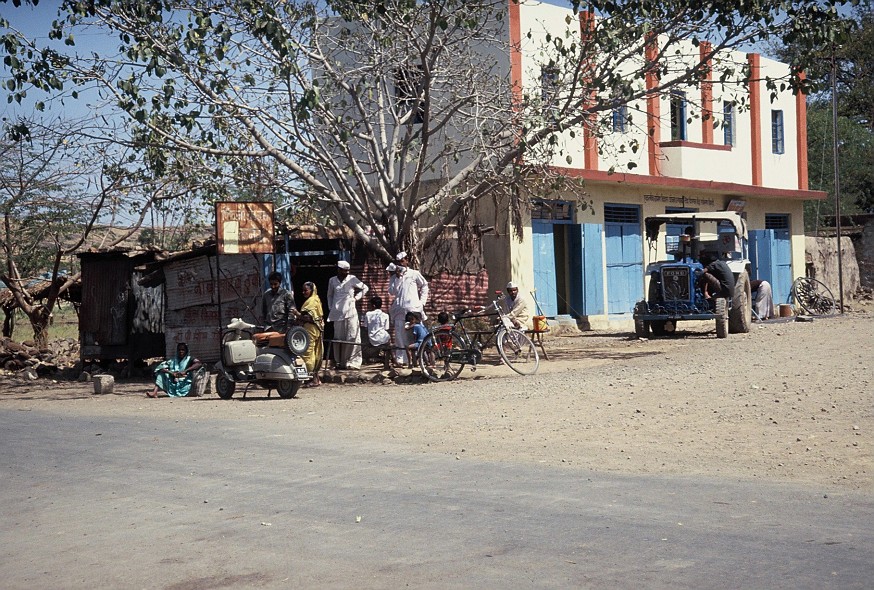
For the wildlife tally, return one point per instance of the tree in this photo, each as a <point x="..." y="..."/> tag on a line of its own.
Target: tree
<point x="394" y="117"/>
<point x="54" y="188"/>
<point x="852" y="49"/>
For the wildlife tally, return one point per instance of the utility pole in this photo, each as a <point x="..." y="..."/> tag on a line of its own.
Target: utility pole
<point x="837" y="184"/>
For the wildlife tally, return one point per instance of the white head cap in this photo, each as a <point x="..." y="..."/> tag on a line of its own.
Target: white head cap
<point x="343" y="264"/>
<point x="391" y="267"/>
<point x="512" y="285"/>
<point x="401" y="256"/>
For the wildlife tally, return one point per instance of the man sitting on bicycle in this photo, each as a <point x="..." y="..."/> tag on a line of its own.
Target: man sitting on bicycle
<point x="515" y="307"/>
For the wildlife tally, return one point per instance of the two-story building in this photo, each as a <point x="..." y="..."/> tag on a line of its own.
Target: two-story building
<point x="586" y="256"/>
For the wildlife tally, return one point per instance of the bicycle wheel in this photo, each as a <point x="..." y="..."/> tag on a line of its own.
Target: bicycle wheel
<point x="442" y="356"/>
<point x="813" y="296"/>
<point x="518" y="351"/>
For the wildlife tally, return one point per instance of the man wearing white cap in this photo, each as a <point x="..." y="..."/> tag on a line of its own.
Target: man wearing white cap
<point x="343" y="291"/>
<point x="410" y="291"/>
<point x="516" y="307"/>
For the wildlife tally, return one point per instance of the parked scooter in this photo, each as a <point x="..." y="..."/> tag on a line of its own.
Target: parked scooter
<point x="270" y="360"/>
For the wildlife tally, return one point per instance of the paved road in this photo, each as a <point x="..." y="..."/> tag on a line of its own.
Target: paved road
<point x="133" y="502"/>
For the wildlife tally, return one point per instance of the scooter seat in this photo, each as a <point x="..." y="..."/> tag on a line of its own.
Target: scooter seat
<point x="275" y="339"/>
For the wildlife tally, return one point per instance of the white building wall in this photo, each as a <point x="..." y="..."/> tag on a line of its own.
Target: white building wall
<point x="778" y="170"/>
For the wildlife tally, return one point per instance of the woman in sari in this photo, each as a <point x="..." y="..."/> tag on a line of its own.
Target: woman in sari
<point x="312" y="317"/>
<point x="175" y="375"/>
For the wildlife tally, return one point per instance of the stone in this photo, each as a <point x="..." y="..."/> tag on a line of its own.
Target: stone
<point x="103" y="384"/>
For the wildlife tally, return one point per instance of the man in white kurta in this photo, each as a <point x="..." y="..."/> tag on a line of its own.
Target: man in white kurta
<point x="515" y="306"/>
<point x="343" y="291"/>
<point x="410" y="291"/>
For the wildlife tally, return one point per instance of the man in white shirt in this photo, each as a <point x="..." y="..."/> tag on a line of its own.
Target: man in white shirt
<point x="343" y="291"/>
<point x="410" y="291"/>
<point x="515" y="306"/>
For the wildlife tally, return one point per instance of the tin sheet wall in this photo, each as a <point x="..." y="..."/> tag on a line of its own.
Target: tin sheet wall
<point x="193" y="301"/>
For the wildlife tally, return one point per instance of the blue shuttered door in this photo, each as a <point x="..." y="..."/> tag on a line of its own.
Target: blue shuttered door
<point x="771" y="260"/>
<point x="544" y="267"/>
<point x="587" y="269"/>
<point x="624" y="249"/>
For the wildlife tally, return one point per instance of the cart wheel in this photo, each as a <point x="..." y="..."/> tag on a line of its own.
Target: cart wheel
<point x="813" y="296"/>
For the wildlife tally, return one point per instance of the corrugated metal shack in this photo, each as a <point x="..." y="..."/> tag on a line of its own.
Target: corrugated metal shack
<point x="119" y="318"/>
<point x="140" y="306"/>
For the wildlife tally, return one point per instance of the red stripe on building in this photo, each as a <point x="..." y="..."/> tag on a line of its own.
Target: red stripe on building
<point x="754" y="60"/>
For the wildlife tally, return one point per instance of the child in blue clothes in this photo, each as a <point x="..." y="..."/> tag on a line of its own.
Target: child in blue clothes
<point x="414" y="324"/>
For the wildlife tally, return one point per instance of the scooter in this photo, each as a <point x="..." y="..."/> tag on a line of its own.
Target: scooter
<point x="270" y="360"/>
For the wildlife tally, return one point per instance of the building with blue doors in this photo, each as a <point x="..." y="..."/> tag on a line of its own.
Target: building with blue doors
<point x="583" y="253"/>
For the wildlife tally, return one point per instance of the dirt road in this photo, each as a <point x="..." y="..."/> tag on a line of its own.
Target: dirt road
<point x="790" y="401"/>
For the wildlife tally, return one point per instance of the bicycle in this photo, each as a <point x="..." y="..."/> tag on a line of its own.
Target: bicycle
<point x="447" y="349"/>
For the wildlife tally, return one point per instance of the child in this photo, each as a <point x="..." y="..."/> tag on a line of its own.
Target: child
<point x="414" y="324"/>
<point x="376" y="321"/>
<point x="443" y="321"/>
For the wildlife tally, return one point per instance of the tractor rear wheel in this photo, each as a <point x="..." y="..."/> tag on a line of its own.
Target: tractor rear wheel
<point x="721" y="311"/>
<point x="740" y="316"/>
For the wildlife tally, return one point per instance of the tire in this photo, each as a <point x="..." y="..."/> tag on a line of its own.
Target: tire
<point x="442" y="356"/>
<point x="721" y="311"/>
<point x="287" y="389"/>
<point x="641" y="328"/>
<point x="518" y="351"/>
<point x="297" y="340"/>
<point x="224" y="387"/>
<point x="741" y="315"/>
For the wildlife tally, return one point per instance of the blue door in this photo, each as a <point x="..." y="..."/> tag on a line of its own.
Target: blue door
<point x="771" y="260"/>
<point x="587" y="268"/>
<point x="624" y="249"/>
<point x="543" y="241"/>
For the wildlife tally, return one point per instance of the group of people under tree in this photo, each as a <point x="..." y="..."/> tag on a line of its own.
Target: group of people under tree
<point x="408" y="290"/>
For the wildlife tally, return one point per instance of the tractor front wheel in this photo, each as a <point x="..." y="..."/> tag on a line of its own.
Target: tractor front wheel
<point x="721" y="311"/>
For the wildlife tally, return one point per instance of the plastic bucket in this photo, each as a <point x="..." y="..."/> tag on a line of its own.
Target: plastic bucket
<point x="540" y="324"/>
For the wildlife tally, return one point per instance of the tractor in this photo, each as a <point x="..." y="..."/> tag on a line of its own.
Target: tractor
<point x="674" y="293"/>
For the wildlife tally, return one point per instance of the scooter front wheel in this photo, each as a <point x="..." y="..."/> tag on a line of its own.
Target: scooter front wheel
<point x="224" y="387"/>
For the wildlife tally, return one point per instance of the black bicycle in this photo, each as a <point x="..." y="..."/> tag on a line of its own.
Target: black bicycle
<point x="447" y="349"/>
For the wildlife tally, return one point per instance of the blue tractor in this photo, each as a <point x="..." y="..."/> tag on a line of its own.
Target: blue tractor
<point x="674" y="292"/>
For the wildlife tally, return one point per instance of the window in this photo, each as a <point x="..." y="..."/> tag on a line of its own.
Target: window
<point x="728" y="122"/>
<point x="408" y="90"/>
<point x="678" y="116"/>
<point x="620" y="118"/>
<point x="549" y="88"/>
<point x="621" y="213"/>
<point x="776" y="221"/>
<point x="777" y="145"/>
<point x="552" y="210"/>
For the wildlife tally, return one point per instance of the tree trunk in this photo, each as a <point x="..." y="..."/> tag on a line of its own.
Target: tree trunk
<point x="39" y="320"/>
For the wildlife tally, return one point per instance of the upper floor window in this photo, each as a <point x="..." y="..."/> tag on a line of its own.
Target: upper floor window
<point x="678" y="115"/>
<point x="549" y="88"/>
<point x="777" y="145"/>
<point x="620" y="118"/>
<point x="728" y="122"/>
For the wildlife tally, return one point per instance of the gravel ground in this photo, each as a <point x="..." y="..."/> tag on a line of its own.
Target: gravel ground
<point x="790" y="401"/>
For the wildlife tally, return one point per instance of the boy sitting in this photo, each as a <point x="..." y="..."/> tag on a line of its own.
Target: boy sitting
<point x="414" y="324"/>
